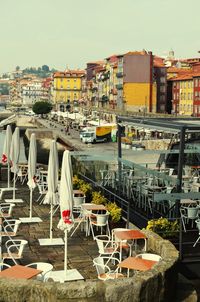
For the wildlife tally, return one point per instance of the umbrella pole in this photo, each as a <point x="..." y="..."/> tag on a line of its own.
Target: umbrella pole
<point x="8" y="175"/>
<point x="14" y="187"/>
<point x="31" y="202"/>
<point x="65" y="260"/>
<point x="51" y="222"/>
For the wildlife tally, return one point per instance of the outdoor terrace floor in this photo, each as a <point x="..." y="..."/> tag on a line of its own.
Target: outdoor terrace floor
<point x="81" y="249"/>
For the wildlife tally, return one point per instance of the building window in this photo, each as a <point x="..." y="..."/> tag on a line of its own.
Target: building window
<point x="196" y="82"/>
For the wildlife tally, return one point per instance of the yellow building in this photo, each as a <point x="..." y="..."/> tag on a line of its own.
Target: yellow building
<point x="185" y="94"/>
<point x="137" y="96"/>
<point x="67" y="86"/>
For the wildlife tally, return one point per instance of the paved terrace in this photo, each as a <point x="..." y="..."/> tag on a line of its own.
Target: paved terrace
<point x="81" y="249"/>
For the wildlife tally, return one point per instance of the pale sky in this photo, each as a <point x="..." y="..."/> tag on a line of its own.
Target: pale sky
<point x="73" y="32"/>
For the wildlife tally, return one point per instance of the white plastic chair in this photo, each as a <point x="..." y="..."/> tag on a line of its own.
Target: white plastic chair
<point x="46" y="268"/>
<point x="6" y="209"/>
<point x="99" y="220"/>
<point x="187" y="213"/>
<point x="43" y="189"/>
<point x="14" y="249"/>
<point x="104" y="272"/>
<point x="149" y="256"/>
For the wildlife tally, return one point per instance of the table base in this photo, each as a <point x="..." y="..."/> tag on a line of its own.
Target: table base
<point x="62" y="276"/>
<point x="30" y="220"/>
<point x="14" y="200"/>
<point x="53" y="241"/>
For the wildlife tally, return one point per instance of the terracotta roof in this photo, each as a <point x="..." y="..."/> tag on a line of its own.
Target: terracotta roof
<point x="69" y="73"/>
<point x="96" y="62"/>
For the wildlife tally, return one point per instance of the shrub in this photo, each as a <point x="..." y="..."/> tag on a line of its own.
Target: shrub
<point x="98" y="198"/>
<point x="115" y="211"/>
<point x="163" y="227"/>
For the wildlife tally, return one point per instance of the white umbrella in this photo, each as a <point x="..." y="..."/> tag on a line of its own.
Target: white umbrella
<point x="6" y="151"/>
<point x="14" y="159"/>
<point x="14" y="156"/>
<point x="32" y="159"/>
<point x="66" y="221"/>
<point x="52" y="183"/>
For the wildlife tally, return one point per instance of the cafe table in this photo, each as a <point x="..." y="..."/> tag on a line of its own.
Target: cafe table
<point x="137" y="264"/>
<point x="20" y="272"/>
<point x="133" y="235"/>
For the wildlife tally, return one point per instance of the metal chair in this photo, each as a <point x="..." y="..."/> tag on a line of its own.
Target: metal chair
<point x="10" y="227"/>
<point x="46" y="268"/>
<point x="104" y="272"/>
<point x="3" y="266"/>
<point x="99" y="220"/>
<point x="6" y="209"/>
<point x="107" y="246"/>
<point x="149" y="256"/>
<point x="14" y="249"/>
<point x="188" y="213"/>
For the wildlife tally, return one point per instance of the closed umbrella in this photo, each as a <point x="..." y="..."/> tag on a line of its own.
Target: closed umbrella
<point x="32" y="159"/>
<point x="14" y="159"/>
<point x="6" y="151"/>
<point x="66" y="221"/>
<point x="52" y="183"/>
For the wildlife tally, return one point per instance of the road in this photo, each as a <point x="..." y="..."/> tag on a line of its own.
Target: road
<point x="104" y="151"/>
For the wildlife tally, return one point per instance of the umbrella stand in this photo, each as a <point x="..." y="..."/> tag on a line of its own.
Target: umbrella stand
<point x="14" y="193"/>
<point x="30" y="219"/>
<point x="51" y="241"/>
<point x="66" y="274"/>
<point x="8" y="188"/>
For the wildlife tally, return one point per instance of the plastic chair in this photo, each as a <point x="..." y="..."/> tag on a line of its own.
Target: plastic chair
<point x="99" y="220"/>
<point x="14" y="249"/>
<point x="187" y="213"/>
<point x="149" y="256"/>
<point x="104" y="272"/>
<point x="43" y="189"/>
<point x="6" y="209"/>
<point x="198" y="227"/>
<point x="46" y="268"/>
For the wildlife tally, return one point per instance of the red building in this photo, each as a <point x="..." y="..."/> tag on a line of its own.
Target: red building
<point x="196" y="95"/>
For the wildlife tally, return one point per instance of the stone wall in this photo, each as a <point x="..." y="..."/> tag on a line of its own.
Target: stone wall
<point x="158" y="284"/>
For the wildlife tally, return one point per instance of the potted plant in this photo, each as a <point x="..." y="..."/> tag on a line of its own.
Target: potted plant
<point x="98" y="198"/>
<point x="115" y="220"/>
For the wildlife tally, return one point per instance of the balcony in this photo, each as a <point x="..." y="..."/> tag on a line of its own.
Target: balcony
<point x="119" y="86"/>
<point x="119" y="74"/>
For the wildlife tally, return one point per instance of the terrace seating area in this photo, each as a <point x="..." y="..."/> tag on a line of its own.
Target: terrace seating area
<point x="90" y="241"/>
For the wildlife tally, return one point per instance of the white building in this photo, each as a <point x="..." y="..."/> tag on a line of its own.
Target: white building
<point x="32" y="92"/>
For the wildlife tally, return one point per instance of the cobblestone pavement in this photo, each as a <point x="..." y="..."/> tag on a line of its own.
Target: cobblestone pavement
<point x="81" y="249"/>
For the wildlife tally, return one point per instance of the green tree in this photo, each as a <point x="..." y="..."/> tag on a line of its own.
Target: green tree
<point x="17" y="68"/>
<point x="42" y="107"/>
<point x="45" y="68"/>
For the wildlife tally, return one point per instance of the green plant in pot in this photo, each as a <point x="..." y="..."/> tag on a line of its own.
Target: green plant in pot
<point x="115" y="212"/>
<point x="98" y="198"/>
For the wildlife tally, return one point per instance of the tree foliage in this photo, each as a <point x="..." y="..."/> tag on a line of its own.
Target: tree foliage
<point x="42" y="107"/>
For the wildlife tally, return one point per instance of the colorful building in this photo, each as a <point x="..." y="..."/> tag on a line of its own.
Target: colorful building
<point x="67" y="87"/>
<point x="182" y="94"/>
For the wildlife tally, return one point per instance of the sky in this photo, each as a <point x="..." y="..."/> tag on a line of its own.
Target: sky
<point x="70" y="33"/>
